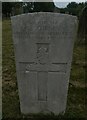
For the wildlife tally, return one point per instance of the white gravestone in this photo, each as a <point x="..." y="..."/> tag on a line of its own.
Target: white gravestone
<point x="43" y="45"/>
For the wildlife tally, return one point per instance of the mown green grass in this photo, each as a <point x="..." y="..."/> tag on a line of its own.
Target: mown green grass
<point x="76" y="94"/>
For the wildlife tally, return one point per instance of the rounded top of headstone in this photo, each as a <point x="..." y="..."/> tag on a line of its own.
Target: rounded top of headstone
<point x="44" y="13"/>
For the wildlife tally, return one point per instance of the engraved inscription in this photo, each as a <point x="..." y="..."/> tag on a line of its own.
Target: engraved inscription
<point x="42" y="78"/>
<point x="42" y="66"/>
<point x="36" y="67"/>
<point x="42" y="70"/>
<point x="43" y="53"/>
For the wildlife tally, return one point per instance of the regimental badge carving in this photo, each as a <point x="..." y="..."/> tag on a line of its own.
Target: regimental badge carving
<point x="43" y="53"/>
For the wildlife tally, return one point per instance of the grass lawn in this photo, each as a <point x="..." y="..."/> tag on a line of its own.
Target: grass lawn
<point x="76" y="94"/>
<point x="0" y="69"/>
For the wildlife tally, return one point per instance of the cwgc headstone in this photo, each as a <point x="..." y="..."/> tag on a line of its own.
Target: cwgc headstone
<point x="43" y="45"/>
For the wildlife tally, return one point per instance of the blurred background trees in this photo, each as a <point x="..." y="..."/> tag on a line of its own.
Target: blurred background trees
<point x="9" y="8"/>
<point x="14" y="8"/>
<point x="44" y="6"/>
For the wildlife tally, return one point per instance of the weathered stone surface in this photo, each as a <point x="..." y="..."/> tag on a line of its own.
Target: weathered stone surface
<point x="43" y="45"/>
